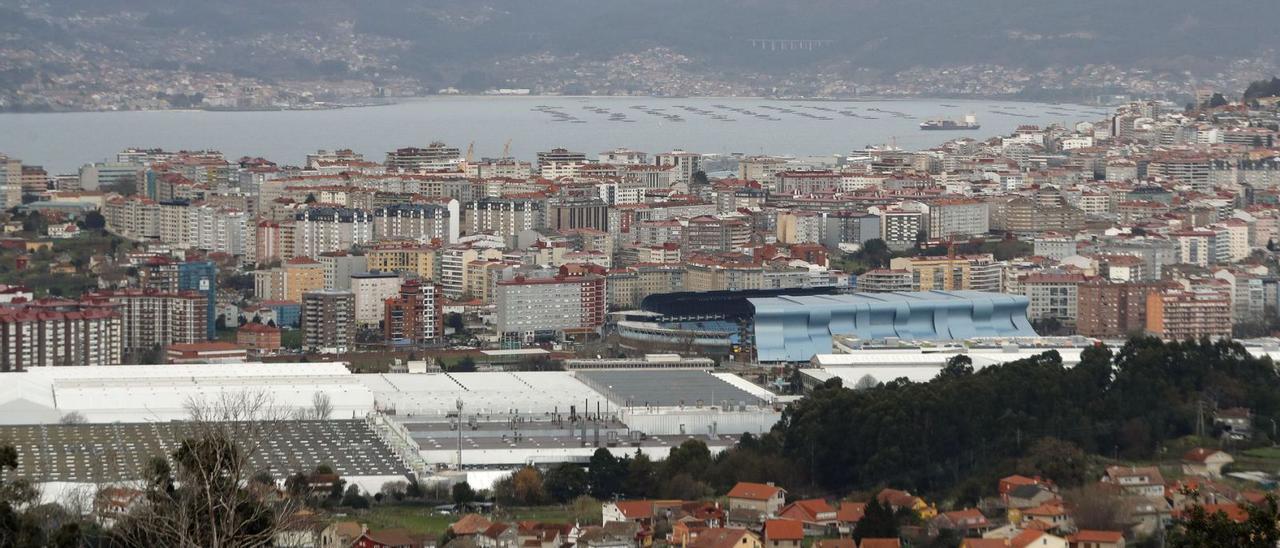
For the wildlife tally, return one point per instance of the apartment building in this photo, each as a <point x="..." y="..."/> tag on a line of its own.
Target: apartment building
<point x="153" y="319"/>
<point x="1179" y="314"/>
<point x="328" y="321"/>
<point x="413" y="315"/>
<point x="370" y="290"/>
<point x="59" y="333"/>
<point x="563" y="304"/>
<point x="960" y="272"/>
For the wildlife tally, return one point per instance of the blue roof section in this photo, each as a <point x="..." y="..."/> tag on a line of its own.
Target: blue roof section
<point x="793" y="329"/>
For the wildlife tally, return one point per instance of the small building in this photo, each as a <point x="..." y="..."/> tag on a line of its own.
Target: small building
<point x="783" y="533"/>
<point x="1205" y="462"/>
<point x="388" y="538"/>
<point x="1086" y="538"/>
<point x="1144" y="481"/>
<point x="1236" y="423"/>
<point x="206" y="352"/>
<point x="765" y="498"/>
<point x="259" y="338"/>
<point x="1032" y="538"/>
<point x="728" y="537"/>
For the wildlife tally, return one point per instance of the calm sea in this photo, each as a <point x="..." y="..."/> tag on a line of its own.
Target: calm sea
<point x="63" y="141"/>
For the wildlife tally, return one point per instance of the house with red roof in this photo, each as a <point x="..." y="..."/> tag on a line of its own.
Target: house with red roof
<point x="880" y="543"/>
<point x="1087" y="538"/>
<point x="966" y="522"/>
<point x="816" y="514"/>
<point x="1205" y="462"/>
<point x="388" y="538"/>
<point x="1032" y="538"/>
<point x="765" y="498"/>
<point x="727" y="537"/>
<point x="848" y="516"/>
<point x="783" y="533"/>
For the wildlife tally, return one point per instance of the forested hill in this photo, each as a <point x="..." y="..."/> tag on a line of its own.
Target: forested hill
<point x="427" y="37"/>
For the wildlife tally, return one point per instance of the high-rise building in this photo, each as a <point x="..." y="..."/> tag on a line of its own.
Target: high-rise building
<point x="404" y="257"/>
<point x="1177" y="314"/>
<point x="321" y="229"/>
<point x="566" y="303"/>
<point x="413" y="316"/>
<point x="202" y="277"/>
<point x="1112" y="309"/>
<point x="949" y="273"/>
<point x="156" y="319"/>
<point x="58" y="333"/>
<point x="884" y="280"/>
<point x="578" y="213"/>
<point x="10" y="182"/>
<point x="684" y="164"/>
<point x="422" y="223"/>
<point x="371" y="290"/>
<point x="436" y="156"/>
<point x="328" y="321"/>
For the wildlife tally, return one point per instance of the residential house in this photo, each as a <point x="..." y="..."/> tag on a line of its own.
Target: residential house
<point x="1086" y="538"/>
<point x="817" y="515"/>
<point x="1028" y="496"/>
<point x="726" y="538"/>
<point x="848" y="516"/>
<point x="1205" y="462"/>
<point x="898" y="500"/>
<point x="340" y="534"/>
<point x="1032" y="538"/>
<point x="388" y="538"/>
<point x="641" y="512"/>
<point x="783" y="533"/>
<point x="764" y="498"/>
<point x="617" y="534"/>
<point x="1144" y="481"/>
<point x="1053" y="517"/>
<point x="470" y="525"/>
<point x="880" y="543"/>
<point x="836" y="543"/>
<point x="967" y="522"/>
<point x="1008" y="483"/>
<point x="498" y="535"/>
<point x="1236" y="422"/>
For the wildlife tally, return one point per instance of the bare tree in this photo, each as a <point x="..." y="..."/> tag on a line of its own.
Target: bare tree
<point x="74" y="417"/>
<point x="321" y="407"/>
<point x="1094" y="506"/>
<point x="206" y="494"/>
<point x="867" y="381"/>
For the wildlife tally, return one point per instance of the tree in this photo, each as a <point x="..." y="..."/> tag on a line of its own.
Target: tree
<point x="691" y="457"/>
<point x="1097" y="507"/>
<point x="220" y="324"/>
<point x="642" y="476"/>
<point x="604" y="474"/>
<point x="353" y="499"/>
<point x="527" y="486"/>
<point x="585" y="510"/>
<point x="73" y="417"/>
<point x="1217" y="100"/>
<point x="867" y="381"/>
<point x="94" y="220"/>
<point x="465" y="365"/>
<point x="565" y="482"/>
<point x="311" y="198"/>
<point x="1197" y="527"/>
<point x="321" y="406"/>
<point x="462" y="494"/>
<point x="877" y="522"/>
<point x="205" y="498"/>
<point x="875" y="253"/>
<point x="455" y="322"/>
<point x="1055" y="459"/>
<point x="957" y="366"/>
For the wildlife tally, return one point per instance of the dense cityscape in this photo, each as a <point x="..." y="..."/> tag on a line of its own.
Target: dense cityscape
<point x="688" y="310"/>
<point x="1030" y="299"/>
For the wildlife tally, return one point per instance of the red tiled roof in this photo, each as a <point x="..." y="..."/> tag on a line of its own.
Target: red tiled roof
<point x="1086" y="535"/>
<point x="783" y="529"/>
<point x="753" y="491"/>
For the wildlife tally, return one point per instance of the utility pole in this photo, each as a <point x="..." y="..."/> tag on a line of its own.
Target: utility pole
<point x="459" y="404"/>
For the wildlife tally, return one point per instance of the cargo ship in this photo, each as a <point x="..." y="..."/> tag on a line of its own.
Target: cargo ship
<point x="970" y="122"/>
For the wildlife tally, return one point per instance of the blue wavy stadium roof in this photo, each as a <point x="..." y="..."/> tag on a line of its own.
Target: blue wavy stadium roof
<point x="794" y="328"/>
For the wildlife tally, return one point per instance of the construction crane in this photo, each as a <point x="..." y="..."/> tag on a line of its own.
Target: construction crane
<point x="506" y="150"/>
<point x="471" y="152"/>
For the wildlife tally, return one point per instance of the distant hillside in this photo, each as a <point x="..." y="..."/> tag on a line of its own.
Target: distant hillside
<point x="431" y="39"/>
